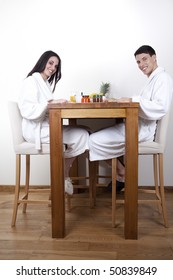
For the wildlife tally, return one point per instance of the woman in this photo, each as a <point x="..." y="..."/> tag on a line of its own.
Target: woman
<point x="35" y="95"/>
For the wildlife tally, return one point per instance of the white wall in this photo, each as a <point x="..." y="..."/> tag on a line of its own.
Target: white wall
<point x="96" y="40"/>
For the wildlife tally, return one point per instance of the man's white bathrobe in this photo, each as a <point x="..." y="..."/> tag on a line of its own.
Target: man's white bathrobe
<point x="155" y="100"/>
<point x="34" y="96"/>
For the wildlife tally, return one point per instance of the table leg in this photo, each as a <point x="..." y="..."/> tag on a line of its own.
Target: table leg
<point x="131" y="175"/>
<point x="57" y="174"/>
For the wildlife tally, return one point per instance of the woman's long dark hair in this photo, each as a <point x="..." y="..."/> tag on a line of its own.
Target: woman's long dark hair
<point x="41" y="64"/>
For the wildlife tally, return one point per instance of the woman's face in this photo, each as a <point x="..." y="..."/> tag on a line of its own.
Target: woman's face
<point x="51" y="67"/>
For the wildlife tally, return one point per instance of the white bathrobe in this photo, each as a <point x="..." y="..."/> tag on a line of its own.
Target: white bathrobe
<point x="155" y="100"/>
<point x="34" y="96"/>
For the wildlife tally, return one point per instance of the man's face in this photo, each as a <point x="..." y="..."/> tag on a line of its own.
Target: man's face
<point x="146" y="63"/>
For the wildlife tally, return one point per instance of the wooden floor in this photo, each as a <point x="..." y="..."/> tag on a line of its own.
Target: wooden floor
<point x="89" y="234"/>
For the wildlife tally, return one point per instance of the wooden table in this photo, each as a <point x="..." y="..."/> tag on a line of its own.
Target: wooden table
<point x="58" y="112"/>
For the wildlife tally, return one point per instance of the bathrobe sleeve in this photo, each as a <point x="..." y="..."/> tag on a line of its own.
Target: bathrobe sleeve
<point x="30" y="104"/>
<point x="156" y="97"/>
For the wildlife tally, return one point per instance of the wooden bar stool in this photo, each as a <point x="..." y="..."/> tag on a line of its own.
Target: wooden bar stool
<point x="25" y="149"/>
<point x="155" y="149"/>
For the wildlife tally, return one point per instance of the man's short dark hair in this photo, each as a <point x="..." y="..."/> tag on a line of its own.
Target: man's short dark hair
<point x="145" y="49"/>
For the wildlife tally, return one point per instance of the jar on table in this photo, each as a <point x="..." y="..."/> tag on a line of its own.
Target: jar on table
<point x="97" y="98"/>
<point x="85" y="99"/>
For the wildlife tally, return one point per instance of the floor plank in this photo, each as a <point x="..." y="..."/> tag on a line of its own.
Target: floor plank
<point x="89" y="234"/>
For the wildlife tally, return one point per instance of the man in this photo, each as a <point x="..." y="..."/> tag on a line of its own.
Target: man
<point x="154" y="100"/>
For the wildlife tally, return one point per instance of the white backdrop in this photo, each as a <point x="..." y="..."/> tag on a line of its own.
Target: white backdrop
<point x="96" y="40"/>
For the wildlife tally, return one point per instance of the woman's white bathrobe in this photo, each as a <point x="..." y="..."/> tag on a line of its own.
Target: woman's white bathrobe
<point x="155" y="100"/>
<point x="34" y="96"/>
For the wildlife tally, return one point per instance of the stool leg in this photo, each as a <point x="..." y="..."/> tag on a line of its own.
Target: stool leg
<point x="92" y="182"/>
<point x="114" y="166"/>
<point x="26" y="182"/>
<point x="162" y="191"/>
<point x="17" y="190"/>
<point x="155" y="167"/>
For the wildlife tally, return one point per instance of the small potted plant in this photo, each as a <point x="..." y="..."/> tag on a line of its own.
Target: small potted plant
<point x="104" y="89"/>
